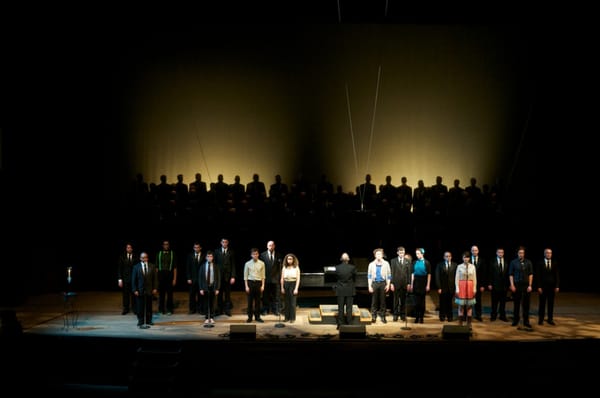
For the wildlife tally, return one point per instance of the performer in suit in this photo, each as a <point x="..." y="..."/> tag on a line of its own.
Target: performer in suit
<point x="345" y="289"/>
<point x="481" y="268"/>
<point x="193" y="262"/>
<point x="225" y="260"/>
<point x="144" y="284"/>
<point x="400" y="266"/>
<point x="444" y="280"/>
<point x="209" y="281"/>
<point x="498" y="285"/>
<point x="125" y="264"/>
<point x="271" y="295"/>
<point x="547" y="280"/>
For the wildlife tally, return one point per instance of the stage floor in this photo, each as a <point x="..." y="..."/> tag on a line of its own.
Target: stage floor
<point x="96" y="351"/>
<point x="98" y="314"/>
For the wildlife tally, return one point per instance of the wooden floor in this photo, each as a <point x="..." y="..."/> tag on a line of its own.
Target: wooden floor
<point x="98" y="314"/>
<point x="71" y="339"/>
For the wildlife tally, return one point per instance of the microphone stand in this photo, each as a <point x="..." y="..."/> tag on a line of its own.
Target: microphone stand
<point x="406" y="327"/>
<point x="145" y="325"/>
<point x="279" y="324"/>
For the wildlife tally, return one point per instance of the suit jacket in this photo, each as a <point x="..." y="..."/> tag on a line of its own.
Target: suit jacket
<point x="144" y="284"/>
<point x="546" y="278"/>
<point x="226" y="263"/>
<point x="497" y="279"/>
<point x="272" y="268"/>
<point x="203" y="283"/>
<point x="400" y="272"/>
<point x="192" y="267"/>
<point x="125" y="268"/>
<point x="346" y="279"/>
<point x="444" y="279"/>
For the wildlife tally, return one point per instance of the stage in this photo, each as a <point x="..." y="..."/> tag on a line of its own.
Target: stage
<point x="85" y="341"/>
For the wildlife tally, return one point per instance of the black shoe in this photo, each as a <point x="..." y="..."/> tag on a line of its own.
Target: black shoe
<point x="190" y="312"/>
<point x="540" y="322"/>
<point x="551" y="322"/>
<point x="337" y="327"/>
<point x="125" y="312"/>
<point x="150" y="323"/>
<point x="373" y="320"/>
<point x="383" y="320"/>
<point x="248" y="320"/>
<point x="260" y="320"/>
<point x="479" y="318"/>
<point x="139" y="324"/>
<point x="403" y="318"/>
<point x="228" y="313"/>
<point x="450" y="319"/>
<point x="492" y="319"/>
<point x="395" y="318"/>
<point x="514" y="324"/>
<point x="528" y="325"/>
<point x="504" y="319"/>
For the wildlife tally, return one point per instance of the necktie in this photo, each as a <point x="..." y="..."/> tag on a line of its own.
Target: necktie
<point x="501" y="266"/>
<point x="197" y="258"/>
<point x="271" y="258"/>
<point x="548" y="264"/>
<point x="208" y="275"/>
<point x="129" y="258"/>
<point x="145" y="269"/>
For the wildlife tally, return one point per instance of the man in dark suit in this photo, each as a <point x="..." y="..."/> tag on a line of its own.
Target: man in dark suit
<point x="225" y="260"/>
<point x="271" y="296"/>
<point x="400" y="266"/>
<point x="445" y="273"/>
<point x="193" y="262"/>
<point x="125" y="264"/>
<point x="209" y="281"/>
<point x="345" y="289"/>
<point x="547" y="280"/>
<point x="498" y="285"/>
<point x="144" y="284"/>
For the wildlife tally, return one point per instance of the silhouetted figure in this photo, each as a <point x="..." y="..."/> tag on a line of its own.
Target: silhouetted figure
<point x="367" y="194"/>
<point x="345" y="289"/>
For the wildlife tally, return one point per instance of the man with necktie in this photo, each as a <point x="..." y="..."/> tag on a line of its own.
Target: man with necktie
<point x="547" y="281"/>
<point x="144" y="284"/>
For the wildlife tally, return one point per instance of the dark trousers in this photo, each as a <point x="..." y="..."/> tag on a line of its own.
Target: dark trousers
<point x="546" y="298"/>
<point x="254" y="299"/>
<point x="209" y="298"/>
<point x="194" y="297"/>
<point x="144" y="309"/>
<point x="399" y="305"/>
<point x="378" y="300"/>
<point x="224" y="304"/>
<point x="129" y="299"/>
<point x="165" y="291"/>
<point x="345" y="304"/>
<point x="290" y="300"/>
<point x="521" y="301"/>
<point x="498" y="303"/>
<point x="445" y="305"/>
<point x="477" y="306"/>
<point x="272" y="298"/>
